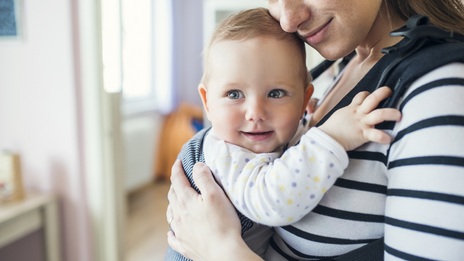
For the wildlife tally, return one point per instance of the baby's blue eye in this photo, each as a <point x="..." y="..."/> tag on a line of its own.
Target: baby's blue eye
<point x="235" y="94"/>
<point x="276" y="93"/>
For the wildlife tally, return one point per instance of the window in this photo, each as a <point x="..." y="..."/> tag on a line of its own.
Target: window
<point x="137" y="53"/>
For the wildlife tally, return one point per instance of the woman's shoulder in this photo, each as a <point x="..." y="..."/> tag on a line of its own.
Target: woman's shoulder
<point x="419" y="64"/>
<point x="439" y="87"/>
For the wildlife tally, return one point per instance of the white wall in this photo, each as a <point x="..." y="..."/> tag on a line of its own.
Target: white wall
<point x="188" y="39"/>
<point x="39" y="115"/>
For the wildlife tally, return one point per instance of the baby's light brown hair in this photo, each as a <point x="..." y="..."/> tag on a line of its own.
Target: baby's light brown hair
<point x="250" y="24"/>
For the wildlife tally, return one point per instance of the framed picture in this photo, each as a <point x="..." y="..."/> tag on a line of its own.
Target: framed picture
<point x="10" y="26"/>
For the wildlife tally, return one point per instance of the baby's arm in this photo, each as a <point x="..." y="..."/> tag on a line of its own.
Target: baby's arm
<point x="280" y="192"/>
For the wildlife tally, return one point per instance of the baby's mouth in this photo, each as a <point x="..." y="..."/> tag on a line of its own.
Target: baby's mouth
<point x="258" y="136"/>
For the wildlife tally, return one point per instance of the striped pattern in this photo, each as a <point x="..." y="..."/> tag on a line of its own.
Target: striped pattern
<point x="411" y="191"/>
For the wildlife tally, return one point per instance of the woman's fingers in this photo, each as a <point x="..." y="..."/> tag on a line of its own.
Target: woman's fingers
<point x="170" y="217"/>
<point x="169" y="213"/>
<point x="199" y="221"/>
<point x="180" y="184"/>
<point x="205" y="182"/>
<point x="178" y="179"/>
<point x="174" y="243"/>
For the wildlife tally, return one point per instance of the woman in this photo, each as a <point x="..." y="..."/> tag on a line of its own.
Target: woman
<point x="409" y="192"/>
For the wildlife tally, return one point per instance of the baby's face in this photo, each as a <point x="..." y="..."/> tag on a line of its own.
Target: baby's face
<point x="255" y="95"/>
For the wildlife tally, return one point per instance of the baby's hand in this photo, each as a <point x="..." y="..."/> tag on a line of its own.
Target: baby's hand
<point x="311" y="107"/>
<point x="354" y="124"/>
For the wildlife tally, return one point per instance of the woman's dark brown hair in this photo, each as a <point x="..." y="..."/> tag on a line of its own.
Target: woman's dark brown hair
<point x="447" y="14"/>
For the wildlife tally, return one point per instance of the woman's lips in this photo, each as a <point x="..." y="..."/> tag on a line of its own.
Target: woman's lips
<point x="317" y="35"/>
<point x="258" y="136"/>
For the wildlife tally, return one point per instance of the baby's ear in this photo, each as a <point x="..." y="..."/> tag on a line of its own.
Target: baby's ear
<point x="308" y="93"/>
<point x="203" y="91"/>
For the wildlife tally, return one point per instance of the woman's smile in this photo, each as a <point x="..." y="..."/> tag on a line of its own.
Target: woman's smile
<point x="318" y="34"/>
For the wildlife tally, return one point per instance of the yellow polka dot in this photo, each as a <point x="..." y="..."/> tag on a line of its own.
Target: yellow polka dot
<point x="228" y="156"/>
<point x="227" y="164"/>
<point x="258" y="217"/>
<point x="233" y="190"/>
<point x="290" y="202"/>
<point x="282" y="188"/>
<point x="284" y="157"/>
<point x="262" y="160"/>
<point x="245" y="179"/>
<point x="277" y="177"/>
<point x="263" y="187"/>
<point x="317" y="179"/>
<point x="220" y="158"/>
<point x="256" y="207"/>
<point x="299" y="194"/>
<point x="249" y="166"/>
<point x="312" y="159"/>
<point x="290" y="219"/>
<point x="273" y="173"/>
<point x="303" y="147"/>
<point x="307" y="188"/>
<point x="324" y="190"/>
<point x="235" y="166"/>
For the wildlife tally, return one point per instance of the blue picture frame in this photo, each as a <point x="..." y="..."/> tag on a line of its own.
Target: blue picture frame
<point x="9" y="20"/>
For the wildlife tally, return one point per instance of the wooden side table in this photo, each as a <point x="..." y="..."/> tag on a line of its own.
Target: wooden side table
<point x="35" y="211"/>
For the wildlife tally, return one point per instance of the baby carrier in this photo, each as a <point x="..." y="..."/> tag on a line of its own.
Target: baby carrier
<point x="425" y="48"/>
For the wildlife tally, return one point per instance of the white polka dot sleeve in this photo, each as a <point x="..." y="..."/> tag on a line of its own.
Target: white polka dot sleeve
<point x="277" y="191"/>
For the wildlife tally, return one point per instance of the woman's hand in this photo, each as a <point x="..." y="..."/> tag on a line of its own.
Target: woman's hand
<point x="204" y="226"/>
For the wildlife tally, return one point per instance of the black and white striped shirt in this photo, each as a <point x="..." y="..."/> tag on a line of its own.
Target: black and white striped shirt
<point x="411" y="191"/>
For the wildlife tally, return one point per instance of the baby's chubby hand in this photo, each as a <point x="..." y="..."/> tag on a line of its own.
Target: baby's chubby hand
<point x="354" y="124"/>
<point x="311" y="107"/>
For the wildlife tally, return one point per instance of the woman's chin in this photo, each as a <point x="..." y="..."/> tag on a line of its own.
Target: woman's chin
<point x="335" y="52"/>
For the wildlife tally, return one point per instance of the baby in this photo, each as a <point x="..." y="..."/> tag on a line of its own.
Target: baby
<point x="255" y="90"/>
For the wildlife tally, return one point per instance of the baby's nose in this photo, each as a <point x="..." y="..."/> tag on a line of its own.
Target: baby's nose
<point x="256" y="112"/>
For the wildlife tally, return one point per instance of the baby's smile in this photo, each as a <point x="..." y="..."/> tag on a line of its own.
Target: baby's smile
<point x="258" y="136"/>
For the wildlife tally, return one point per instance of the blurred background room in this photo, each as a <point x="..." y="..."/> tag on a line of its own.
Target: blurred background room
<point x="96" y="99"/>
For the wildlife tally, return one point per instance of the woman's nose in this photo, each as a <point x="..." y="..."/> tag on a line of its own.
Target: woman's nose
<point x="256" y="112"/>
<point x="292" y="14"/>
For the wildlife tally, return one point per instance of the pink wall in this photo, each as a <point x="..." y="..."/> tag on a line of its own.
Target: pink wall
<point x="39" y="114"/>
